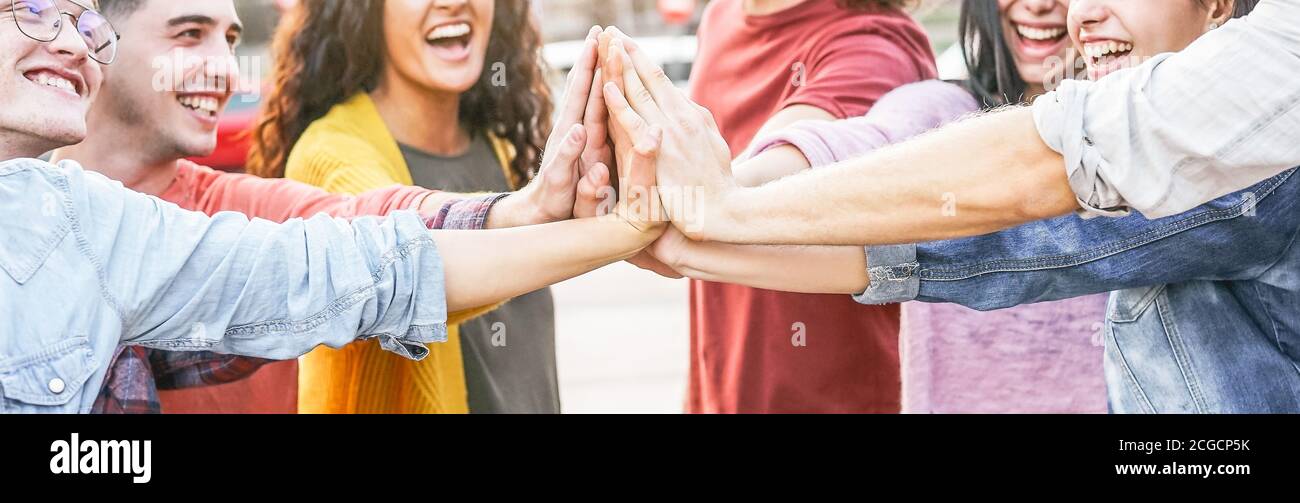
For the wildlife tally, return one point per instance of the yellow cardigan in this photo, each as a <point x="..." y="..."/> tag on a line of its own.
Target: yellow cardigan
<point x="349" y="151"/>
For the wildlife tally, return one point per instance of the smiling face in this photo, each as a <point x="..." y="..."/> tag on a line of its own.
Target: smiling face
<point x="1117" y="34"/>
<point x="173" y="75"/>
<point x="437" y="45"/>
<point x="46" y="88"/>
<point x="1035" y="31"/>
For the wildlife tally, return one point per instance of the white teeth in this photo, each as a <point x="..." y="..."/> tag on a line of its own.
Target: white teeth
<point x="1098" y="49"/>
<point x="204" y="104"/>
<point x="1040" y="33"/>
<point x="449" y="31"/>
<point x="55" y="81"/>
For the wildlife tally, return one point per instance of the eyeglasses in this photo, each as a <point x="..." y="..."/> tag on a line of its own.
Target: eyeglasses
<point x="42" y="21"/>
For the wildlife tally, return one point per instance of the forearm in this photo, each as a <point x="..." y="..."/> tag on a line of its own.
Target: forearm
<point x="769" y="166"/>
<point x="799" y="269"/>
<point x="1070" y="257"/>
<point x="514" y="210"/>
<point x="486" y="267"/>
<point x="973" y="177"/>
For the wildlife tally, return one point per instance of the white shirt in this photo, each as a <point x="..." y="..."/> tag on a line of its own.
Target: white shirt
<point x="1184" y="129"/>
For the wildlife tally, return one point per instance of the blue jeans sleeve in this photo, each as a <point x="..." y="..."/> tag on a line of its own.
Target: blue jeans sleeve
<point x="1237" y="237"/>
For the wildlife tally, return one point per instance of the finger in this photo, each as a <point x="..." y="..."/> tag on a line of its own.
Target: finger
<point x="611" y="67"/>
<point x="592" y="190"/>
<point x="561" y="159"/>
<point x="661" y="87"/>
<point x="578" y="86"/>
<point x="645" y="156"/>
<point x="597" y="116"/>
<point x="627" y="124"/>
<point x="708" y="116"/>
<point x="634" y="90"/>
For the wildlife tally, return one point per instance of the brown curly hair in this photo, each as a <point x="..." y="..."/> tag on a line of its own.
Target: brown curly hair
<point x="328" y="50"/>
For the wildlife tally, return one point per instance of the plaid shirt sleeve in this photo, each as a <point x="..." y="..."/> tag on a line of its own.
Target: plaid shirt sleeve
<point x="465" y="214"/>
<point x="180" y="370"/>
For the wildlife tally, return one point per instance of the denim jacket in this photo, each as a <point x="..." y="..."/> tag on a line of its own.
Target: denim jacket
<point x="88" y="264"/>
<point x="1208" y="316"/>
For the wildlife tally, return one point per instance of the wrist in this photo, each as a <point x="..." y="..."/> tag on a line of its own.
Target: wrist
<point x="715" y="215"/>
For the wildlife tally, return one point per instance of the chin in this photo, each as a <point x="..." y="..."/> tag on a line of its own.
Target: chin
<point x="196" y="148"/>
<point x="65" y="135"/>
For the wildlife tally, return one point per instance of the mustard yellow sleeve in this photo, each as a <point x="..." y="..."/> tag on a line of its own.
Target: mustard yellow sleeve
<point x="336" y="175"/>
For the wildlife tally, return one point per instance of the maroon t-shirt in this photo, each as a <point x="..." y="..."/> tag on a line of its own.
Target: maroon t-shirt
<point x="760" y="351"/>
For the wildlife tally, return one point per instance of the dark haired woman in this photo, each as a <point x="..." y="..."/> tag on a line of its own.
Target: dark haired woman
<point x="446" y="94"/>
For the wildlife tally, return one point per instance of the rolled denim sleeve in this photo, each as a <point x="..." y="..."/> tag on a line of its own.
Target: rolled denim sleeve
<point x="893" y="274"/>
<point x="1183" y="129"/>
<point x="1237" y="237"/>
<point x="185" y="281"/>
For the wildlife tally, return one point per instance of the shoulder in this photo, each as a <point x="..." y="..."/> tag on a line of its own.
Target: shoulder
<point x="38" y="200"/>
<point x="351" y="137"/>
<point x="877" y="28"/>
<point x="325" y="147"/>
<point x="939" y="93"/>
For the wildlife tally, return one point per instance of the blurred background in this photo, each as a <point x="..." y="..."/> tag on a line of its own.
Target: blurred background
<point x="622" y="333"/>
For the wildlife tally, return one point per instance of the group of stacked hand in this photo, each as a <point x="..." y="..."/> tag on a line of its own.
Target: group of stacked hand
<point x="623" y="131"/>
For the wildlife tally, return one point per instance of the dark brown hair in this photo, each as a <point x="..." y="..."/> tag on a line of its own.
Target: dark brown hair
<point x="328" y="50"/>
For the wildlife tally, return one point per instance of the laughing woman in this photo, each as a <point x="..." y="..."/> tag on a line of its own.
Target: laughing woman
<point x="437" y="93"/>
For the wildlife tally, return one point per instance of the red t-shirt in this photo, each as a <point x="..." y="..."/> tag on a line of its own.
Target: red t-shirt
<point x="760" y="351"/>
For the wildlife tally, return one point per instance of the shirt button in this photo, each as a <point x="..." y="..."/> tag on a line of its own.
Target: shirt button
<point x="57" y="385"/>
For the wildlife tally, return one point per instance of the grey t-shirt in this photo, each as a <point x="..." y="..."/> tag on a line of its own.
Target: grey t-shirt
<point x="509" y="354"/>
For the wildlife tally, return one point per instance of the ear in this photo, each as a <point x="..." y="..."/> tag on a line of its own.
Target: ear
<point x="1221" y="12"/>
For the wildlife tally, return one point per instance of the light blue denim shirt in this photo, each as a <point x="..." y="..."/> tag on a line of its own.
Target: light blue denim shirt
<point x="1186" y="128"/>
<point x="88" y="264"/>
<point x="1207" y="318"/>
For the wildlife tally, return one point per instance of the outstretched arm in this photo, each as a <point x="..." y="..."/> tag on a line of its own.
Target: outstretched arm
<point x="961" y="180"/>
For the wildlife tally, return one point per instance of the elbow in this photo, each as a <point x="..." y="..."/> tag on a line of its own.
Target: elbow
<point x="1047" y="194"/>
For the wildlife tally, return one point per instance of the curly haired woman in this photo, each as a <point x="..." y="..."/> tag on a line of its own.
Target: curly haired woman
<point x="445" y="94"/>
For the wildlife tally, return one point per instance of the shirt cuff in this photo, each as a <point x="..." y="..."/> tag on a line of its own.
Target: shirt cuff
<point x="465" y="214"/>
<point x="1059" y="117"/>
<point x="894" y="275"/>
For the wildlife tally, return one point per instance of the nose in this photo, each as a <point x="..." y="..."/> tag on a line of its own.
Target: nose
<point x="1040" y="7"/>
<point x="1087" y="13"/>
<point x="221" y="73"/>
<point x="69" y="46"/>
<point x="216" y="64"/>
<point x="452" y="5"/>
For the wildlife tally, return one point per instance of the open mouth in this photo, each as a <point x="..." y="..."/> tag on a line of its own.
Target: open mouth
<point x="1041" y="40"/>
<point x="201" y="105"/>
<point x="451" y="41"/>
<point x="54" y="81"/>
<point x="1107" y="56"/>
